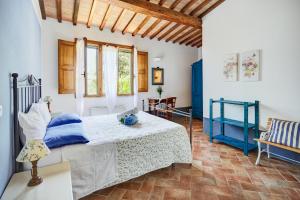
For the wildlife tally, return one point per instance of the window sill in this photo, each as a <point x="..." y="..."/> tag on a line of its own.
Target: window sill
<point x="93" y="96"/>
<point x="125" y="95"/>
<point x="98" y="96"/>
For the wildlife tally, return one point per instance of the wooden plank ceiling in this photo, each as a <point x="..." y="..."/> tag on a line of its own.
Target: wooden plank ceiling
<point x="177" y="21"/>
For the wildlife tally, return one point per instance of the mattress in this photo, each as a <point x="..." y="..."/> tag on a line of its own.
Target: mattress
<point x="117" y="153"/>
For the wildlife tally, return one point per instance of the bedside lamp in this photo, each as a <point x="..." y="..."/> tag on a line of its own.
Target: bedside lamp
<point x="32" y="152"/>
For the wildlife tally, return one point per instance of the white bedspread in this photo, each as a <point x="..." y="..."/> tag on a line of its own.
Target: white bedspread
<point x="117" y="153"/>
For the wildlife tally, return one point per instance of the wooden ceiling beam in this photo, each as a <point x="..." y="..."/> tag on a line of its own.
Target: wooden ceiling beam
<point x="58" y="10"/>
<point x="157" y="21"/>
<point x="211" y="8"/>
<point x="105" y="17"/>
<point x="200" y="7"/>
<point x="185" y="27"/>
<point x="199" y="45"/>
<point x="185" y="34"/>
<point x="188" y="5"/>
<point x="175" y="4"/>
<point x="114" y="27"/>
<point x="195" y="34"/>
<point x="92" y="13"/>
<point x="168" y="31"/>
<point x="42" y="8"/>
<point x="126" y="27"/>
<point x="128" y="24"/>
<point x="163" y="27"/>
<point x="156" y="11"/>
<point x="191" y="39"/>
<point x="162" y="2"/>
<point x="198" y="38"/>
<point x="142" y="24"/>
<point x="176" y="33"/>
<point x="75" y="11"/>
<point x="195" y="43"/>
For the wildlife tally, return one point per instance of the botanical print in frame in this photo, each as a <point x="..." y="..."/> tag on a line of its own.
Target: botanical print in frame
<point x="250" y="66"/>
<point x="157" y="76"/>
<point x="230" y="67"/>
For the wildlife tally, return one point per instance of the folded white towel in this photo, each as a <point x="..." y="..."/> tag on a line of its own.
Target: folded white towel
<point x="128" y="112"/>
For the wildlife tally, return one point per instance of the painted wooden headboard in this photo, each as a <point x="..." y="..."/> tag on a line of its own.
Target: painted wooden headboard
<point x="25" y="92"/>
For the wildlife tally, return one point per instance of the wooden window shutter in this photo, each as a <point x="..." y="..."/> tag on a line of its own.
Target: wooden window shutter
<point x="142" y="71"/>
<point x="66" y="67"/>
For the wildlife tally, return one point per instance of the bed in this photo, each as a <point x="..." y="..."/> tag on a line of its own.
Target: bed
<point x="115" y="153"/>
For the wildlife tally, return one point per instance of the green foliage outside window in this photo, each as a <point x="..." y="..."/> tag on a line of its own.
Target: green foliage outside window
<point x="125" y="72"/>
<point x="92" y="70"/>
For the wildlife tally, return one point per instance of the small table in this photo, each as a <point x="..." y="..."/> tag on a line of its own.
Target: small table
<point x="163" y="112"/>
<point x="56" y="184"/>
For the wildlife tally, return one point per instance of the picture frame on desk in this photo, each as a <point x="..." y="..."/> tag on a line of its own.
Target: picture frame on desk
<point x="157" y="76"/>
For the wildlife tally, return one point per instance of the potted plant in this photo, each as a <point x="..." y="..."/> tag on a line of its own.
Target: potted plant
<point x="159" y="91"/>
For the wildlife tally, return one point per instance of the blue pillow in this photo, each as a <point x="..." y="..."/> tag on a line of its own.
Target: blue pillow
<point x="64" y="119"/>
<point x="67" y="134"/>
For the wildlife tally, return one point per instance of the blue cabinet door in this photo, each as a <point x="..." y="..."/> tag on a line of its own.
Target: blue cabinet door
<point x="197" y="90"/>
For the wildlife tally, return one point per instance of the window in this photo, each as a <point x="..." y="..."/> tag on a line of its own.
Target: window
<point x="125" y="72"/>
<point x="94" y="80"/>
<point x="93" y="73"/>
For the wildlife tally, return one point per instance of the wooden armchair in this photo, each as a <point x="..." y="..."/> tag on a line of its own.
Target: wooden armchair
<point x="152" y="105"/>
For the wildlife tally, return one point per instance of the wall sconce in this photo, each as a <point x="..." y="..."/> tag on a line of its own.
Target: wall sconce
<point x="157" y="59"/>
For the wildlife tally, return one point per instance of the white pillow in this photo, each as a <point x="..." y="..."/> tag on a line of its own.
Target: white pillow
<point x="33" y="124"/>
<point x="42" y="109"/>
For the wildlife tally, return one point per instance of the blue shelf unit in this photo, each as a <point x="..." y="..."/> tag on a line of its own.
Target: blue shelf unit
<point x="241" y="144"/>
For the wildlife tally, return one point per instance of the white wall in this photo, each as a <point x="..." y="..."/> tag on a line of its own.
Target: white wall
<point x="200" y="53"/>
<point x="176" y="61"/>
<point x="273" y="26"/>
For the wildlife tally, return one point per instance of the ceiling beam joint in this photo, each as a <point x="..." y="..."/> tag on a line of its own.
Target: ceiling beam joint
<point x="154" y="10"/>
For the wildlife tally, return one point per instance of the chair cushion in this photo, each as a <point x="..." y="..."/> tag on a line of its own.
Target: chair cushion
<point x="285" y="133"/>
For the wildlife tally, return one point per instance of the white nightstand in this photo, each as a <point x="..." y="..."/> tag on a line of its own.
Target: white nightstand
<point x="56" y="184"/>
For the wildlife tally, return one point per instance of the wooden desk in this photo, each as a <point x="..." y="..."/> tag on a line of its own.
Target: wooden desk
<point x="56" y="184"/>
<point x="170" y="103"/>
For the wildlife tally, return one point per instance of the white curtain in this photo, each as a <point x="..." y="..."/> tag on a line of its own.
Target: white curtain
<point x="135" y="79"/>
<point x="80" y="77"/>
<point x="110" y="71"/>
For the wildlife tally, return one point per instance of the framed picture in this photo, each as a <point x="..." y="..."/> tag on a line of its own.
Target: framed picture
<point x="230" y="67"/>
<point x="250" y="66"/>
<point x="157" y="76"/>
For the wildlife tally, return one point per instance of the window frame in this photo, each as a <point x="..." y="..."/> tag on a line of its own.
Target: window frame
<point x="99" y="70"/>
<point x="100" y="67"/>
<point x="132" y="71"/>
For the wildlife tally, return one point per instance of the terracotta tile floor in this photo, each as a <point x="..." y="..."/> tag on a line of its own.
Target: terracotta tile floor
<point x="218" y="172"/>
